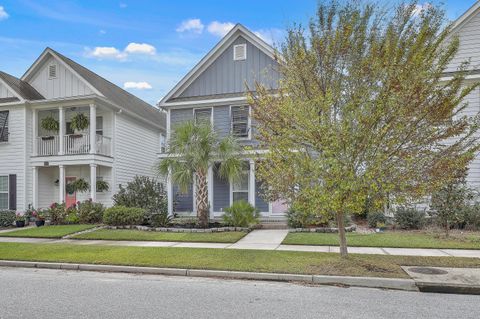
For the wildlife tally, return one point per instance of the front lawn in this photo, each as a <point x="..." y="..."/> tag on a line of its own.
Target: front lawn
<point x="57" y="231"/>
<point x="398" y="239"/>
<point x="129" y="234"/>
<point x="229" y="259"/>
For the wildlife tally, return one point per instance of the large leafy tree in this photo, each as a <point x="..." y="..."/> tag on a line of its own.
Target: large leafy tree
<point x="363" y="111"/>
<point x="192" y="149"/>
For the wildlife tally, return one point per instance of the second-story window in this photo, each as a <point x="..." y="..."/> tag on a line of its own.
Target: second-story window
<point x="203" y="115"/>
<point x="240" y="121"/>
<point x="99" y="125"/>
<point x="4" y="126"/>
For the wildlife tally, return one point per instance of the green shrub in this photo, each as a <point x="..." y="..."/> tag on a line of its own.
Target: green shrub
<point x="90" y="212"/>
<point x="72" y="217"/>
<point x="469" y="217"/>
<point x="160" y="218"/>
<point x="409" y="218"/>
<point x="374" y="218"/>
<point x="121" y="216"/>
<point x="241" y="214"/>
<point x="56" y="213"/>
<point x="7" y="217"/>
<point x="298" y="219"/>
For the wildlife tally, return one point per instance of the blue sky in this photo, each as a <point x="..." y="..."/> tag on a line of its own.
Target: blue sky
<point x="144" y="46"/>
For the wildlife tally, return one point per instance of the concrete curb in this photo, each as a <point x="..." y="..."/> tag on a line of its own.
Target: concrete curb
<point x="368" y="282"/>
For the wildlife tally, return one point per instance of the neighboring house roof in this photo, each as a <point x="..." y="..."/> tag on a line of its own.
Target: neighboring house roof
<point x="208" y="59"/>
<point x="21" y="88"/>
<point x="464" y="18"/>
<point x="112" y="92"/>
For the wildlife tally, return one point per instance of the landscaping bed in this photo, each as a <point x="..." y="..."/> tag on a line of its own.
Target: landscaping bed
<point x="226" y="259"/>
<point x="394" y="239"/>
<point x="141" y="235"/>
<point x="57" y="231"/>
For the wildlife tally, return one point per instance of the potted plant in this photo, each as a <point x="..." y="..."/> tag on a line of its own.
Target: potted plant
<point x="80" y="185"/>
<point x="50" y="124"/>
<point x="102" y="186"/>
<point x="79" y="122"/>
<point x="20" y="219"/>
<point x="39" y="218"/>
<point x="381" y="227"/>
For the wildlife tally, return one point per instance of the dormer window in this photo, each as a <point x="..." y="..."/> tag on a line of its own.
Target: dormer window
<point x="52" y="71"/>
<point x="240" y="52"/>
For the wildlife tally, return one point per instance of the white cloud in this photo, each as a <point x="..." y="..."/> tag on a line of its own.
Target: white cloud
<point x="419" y="8"/>
<point x="191" y="25"/>
<point x="140" y="48"/>
<point x="3" y="13"/>
<point x="220" y="28"/>
<point x="271" y="36"/>
<point x="137" y="85"/>
<point x="106" y="53"/>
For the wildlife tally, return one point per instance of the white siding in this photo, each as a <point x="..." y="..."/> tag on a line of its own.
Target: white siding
<point x="136" y="148"/>
<point x="469" y="36"/>
<point x="66" y="84"/>
<point x="12" y="153"/>
<point x="5" y="92"/>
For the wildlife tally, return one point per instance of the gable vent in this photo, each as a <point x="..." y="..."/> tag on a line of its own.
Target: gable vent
<point x="52" y="71"/>
<point x="240" y="52"/>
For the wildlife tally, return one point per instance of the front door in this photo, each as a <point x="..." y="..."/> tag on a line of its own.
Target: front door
<point x="70" y="197"/>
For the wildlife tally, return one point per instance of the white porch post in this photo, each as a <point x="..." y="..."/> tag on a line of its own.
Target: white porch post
<point x="61" y="180"/>
<point x="61" y="130"/>
<point x="34" y="187"/>
<point x="210" y="189"/>
<point x="93" y="182"/>
<point x="34" y="130"/>
<point x="93" y="129"/>
<point x="251" y="181"/>
<point x="170" y="192"/>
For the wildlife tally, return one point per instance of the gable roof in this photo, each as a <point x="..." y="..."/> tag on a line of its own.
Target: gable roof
<point x="218" y="49"/>
<point x="112" y="92"/>
<point x="20" y="88"/>
<point x="466" y="16"/>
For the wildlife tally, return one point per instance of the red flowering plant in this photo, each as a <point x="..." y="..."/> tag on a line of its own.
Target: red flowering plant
<point x="19" y="217"/>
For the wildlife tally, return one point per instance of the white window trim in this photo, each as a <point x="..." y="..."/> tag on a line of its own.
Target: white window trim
<point x="56" y="71"/>
<point x="249" y="122"/>
<point x="203" y="108"/>
<point x="247" y="171"/>
<point x="244" y="45"/>
<point x="7" y="192"/>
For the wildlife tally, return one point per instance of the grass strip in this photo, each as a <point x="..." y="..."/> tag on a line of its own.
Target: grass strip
<point x="57" y="231"/>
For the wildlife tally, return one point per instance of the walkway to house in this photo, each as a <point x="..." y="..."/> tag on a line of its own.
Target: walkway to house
<point x="269" y="239"/>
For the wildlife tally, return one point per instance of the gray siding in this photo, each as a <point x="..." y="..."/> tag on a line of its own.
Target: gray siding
<point x="183" y="202"/>
<point x="260" y="203"/>
<point x="180" y="115"/>
<point x="221" y="192"/>
<point x="225" y="75"/>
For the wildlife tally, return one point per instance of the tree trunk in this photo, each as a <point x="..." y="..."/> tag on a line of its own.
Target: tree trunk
<point x="202" y="199"/>
<point x="341" y="233"/>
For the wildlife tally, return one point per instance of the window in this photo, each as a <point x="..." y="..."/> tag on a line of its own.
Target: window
<point x="3" y="126"/>
<point x="240" y="121"/>
<point x="203" y="115"/>
<point x="240" y="52"/>
<point x="3" y="192"/>
<point x="240" y="188"/>
<point x="99" y="125"/>
<point x="52" y="71"/>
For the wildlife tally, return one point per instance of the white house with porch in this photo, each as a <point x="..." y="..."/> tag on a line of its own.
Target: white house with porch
<point x="121" y="139"/>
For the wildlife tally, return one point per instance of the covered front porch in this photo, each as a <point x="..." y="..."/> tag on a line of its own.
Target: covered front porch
<point x="50" y="184"/>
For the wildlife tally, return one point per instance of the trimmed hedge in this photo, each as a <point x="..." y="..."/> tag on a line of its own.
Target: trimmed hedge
<point x="7" y="217"/>
<point x="122" y="216"/>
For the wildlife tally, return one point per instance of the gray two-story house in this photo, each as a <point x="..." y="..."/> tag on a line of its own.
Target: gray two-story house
<point x="215" y="90"/>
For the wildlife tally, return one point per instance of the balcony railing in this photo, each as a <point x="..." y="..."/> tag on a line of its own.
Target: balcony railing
<point x="75" y="144"/>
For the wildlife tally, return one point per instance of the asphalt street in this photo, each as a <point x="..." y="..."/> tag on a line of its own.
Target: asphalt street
<point x="44" y="293"/>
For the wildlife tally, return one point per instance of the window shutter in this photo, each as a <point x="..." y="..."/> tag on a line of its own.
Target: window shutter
<point x="4" y="126"/>
<point x="12" y="192"/>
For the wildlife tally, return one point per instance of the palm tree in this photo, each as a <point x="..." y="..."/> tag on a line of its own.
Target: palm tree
<point x="193" y="148"/>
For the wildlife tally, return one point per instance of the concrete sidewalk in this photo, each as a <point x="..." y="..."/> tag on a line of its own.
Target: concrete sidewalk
<point x="269" y="239"/>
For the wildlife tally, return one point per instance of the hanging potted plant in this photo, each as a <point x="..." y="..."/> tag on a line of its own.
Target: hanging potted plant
<point x="49" y="124"/>
<point x="80" y="185"/>
<point x="102" y="186"/>
<point x="79" y="123"/>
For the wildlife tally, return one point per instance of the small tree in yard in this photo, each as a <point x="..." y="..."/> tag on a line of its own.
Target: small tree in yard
<point x="362" y="111"/>
<point x="192" y="149"/>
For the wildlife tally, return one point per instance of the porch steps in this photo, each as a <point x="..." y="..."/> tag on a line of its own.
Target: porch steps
<point x="273" y="223"/>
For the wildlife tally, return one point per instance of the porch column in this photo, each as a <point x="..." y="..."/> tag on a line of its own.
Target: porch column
<point x="61" y="180"/>
<point x="251" y="185"/>
<point x="93" y="182"/>
<point x="61" y="130"/>
<point x="170" y="192"/>
<point x="93" y="129"/>
<point x="34" y="131"/>
<point x="210" y="189"/>
<point x="34" y="187"/>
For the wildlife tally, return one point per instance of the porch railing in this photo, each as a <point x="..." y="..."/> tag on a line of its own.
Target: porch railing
<point x="74" y="144"/>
